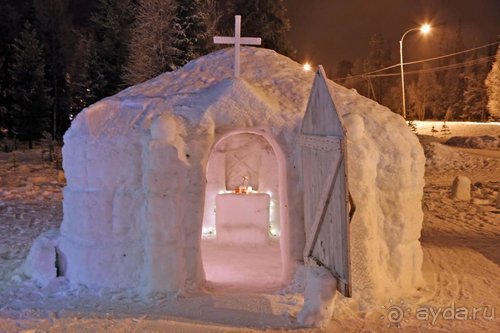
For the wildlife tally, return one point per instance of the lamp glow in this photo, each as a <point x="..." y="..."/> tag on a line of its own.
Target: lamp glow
<point x="306" y="67"/>
<point x="425" y="28"/>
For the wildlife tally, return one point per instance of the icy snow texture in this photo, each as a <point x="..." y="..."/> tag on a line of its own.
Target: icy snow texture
<point x="135" y="165"/>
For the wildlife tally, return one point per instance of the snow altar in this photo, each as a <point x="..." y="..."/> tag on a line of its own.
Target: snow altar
<point x="144" y="168"/>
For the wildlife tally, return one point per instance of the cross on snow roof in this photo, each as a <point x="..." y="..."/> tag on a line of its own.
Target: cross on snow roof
<point x="237" y="40"/>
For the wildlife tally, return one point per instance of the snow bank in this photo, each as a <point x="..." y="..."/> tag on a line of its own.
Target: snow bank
<point x="439" y="155"/>
<point x="481" y="142"/>
<point x="136" y="168"/>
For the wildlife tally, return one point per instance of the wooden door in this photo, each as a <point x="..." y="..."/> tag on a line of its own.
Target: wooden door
<point x="323" y="150"/>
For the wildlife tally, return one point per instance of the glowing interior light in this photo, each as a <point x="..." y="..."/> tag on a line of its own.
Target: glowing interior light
<point x="208" y="231"/>
<point x="224" y="192"/>
<point x="306" y="67"/>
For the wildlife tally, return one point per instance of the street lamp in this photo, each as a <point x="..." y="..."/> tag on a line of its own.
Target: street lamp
<point x="425" y="28"/>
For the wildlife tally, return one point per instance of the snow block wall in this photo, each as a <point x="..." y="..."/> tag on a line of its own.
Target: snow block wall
<point x="386" y="180"/>
<point x="136" y="168"/>
<point x="101" y="234"/>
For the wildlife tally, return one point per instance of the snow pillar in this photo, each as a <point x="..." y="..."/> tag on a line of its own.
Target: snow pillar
<point x="197" y="156"/>
<point x="164" y="185"/>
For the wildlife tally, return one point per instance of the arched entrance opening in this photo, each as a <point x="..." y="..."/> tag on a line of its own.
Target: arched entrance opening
<point x="244" y="231"/>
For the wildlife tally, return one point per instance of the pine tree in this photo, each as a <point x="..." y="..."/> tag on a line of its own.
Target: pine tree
<point x="448" y="114"/>
<point x="266" y="19"/>
<point x="111" y="24"/>
<point x="54" y="25"/>
<point x="192" y="36"/>
<point x="379" y="56"/>
<point x="453" y="79"/>
<point x="357" y="83"/>
<point x="413" y="127"/>
<point x="11" y="24"/>
<point x="152" y="46"/>
<point x="445" y="130"/>
<point x="344" y="70"/>
<point x="493" y="88"/>
<point x="414" y="103"/>
<point x="211" y="18"/>
<point x="29" y="92"/>
<point x="433" y="130"/>
<point x="394" y="99"/>
<point x="475" y="97"/>
<point x="4" y="115"/>
<point x="78" y="77"/>
<point x="423" y="94"/>
<point x="441" y="104"/>
<point x="454" y="90"/>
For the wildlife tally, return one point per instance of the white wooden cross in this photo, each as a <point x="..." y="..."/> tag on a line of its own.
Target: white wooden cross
<point x="237" y="40"/>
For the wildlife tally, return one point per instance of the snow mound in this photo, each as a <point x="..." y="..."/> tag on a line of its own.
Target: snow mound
<point x="481" y="142"/>
<point x="136" y="163"/>
<point x="461" y="188"/>
<point x="320" y="288"/>
<point x="437" y="154"/>
<point x="42" y="264"/>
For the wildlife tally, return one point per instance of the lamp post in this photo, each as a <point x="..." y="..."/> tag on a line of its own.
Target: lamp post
<point x="423" y="29"/>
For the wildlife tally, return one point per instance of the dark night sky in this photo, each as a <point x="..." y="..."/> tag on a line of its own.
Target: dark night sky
<point x="327" y="31"/>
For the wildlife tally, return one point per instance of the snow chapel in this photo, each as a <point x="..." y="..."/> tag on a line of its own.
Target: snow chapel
<point x="212" y="160"/>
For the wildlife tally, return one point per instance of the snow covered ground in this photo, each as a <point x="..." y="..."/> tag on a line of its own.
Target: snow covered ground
<point x="461" y="264"/>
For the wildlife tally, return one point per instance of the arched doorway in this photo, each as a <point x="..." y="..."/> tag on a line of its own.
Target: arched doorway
<point x="244" y="225"/>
